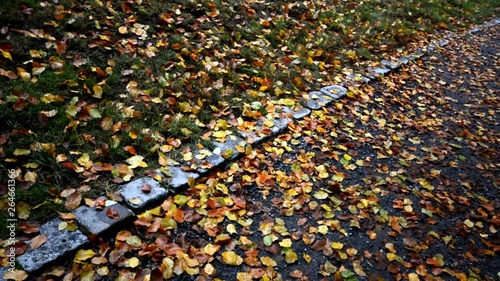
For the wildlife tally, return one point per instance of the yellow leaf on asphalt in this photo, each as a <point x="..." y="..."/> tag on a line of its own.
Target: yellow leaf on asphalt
<point x="337" y="245"/>
<point x="231" y="258"/>
<point x="291" y="256"/>
<point x="267" y="261"/>
<point x="210" y="249"/>
<point x="286" y="243"/>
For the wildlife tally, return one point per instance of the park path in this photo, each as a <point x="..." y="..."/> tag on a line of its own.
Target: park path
<point x="398" y="181"/>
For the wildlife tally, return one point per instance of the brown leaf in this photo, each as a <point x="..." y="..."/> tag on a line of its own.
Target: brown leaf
<point x="146" y="188"/>
<point x="73" y="200"/>
<point x="38" y="241"/>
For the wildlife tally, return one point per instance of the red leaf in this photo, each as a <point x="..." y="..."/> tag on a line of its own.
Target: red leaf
<point x="112" y="213"/>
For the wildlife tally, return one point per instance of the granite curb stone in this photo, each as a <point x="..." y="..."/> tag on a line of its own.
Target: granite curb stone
<point x="142" y="192"/>
<point x="315" y="100"/>
<point x="257" y="136"/>
<point x="99" y="221"/>
<point x="335" y="91"/>
<point x="58" y="244"/>
<point x="177" y="177"/>
<point x="297" y="113"/>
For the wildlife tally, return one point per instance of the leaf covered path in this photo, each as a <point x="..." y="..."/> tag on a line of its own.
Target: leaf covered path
<point x="398" y="181"/>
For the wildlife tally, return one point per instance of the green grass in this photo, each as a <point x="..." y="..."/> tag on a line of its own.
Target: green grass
<point x="168" y="68"/>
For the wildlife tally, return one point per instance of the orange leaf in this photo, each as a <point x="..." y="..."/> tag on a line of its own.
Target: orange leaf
<point x="179" y="216"/>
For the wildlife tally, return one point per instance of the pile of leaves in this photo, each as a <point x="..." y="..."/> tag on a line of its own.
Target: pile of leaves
<point x="398" y="181"/>
<point x="102" y="90"/>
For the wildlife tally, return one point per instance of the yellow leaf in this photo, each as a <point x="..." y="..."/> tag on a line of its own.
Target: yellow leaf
<point x="21" y="151"/>
<point x="337" y="245"/>
<point x="97" y="91"/>
<point x="23" y="210"/>
<point x="6" y="54"/>
<point x="30" y="176"/>
<point x="187" y="156"/>
<point x="290" y="257"/>
<point x="321" y="194"/>
<point x="136" y="161"/>
<point x="83" y="255"/>
<point x="267" y="261"/>
<point x="134" y="241"/>
<point x="287" y="102"/>
<point x="413" y="277"/>
<point x="210" y="249"/>
<point x="219" y="134"/>
<point x="132" y="262"/>
<point x="286" y="243"/>
<point x="84" y="159"/>
<point x="231" y="258"/>
<point x="122" y="29"/>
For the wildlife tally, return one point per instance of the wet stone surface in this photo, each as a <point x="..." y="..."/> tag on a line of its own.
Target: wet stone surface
<point x="58" y="244"/>
<point x="377" y="71"/>
<point x="142" y="192"/>
<point x="100" y="221"/>
<point x="316" y="100"/>
<point x="265" y="128"/>
<point x="177" y="177"/>
<point x="297" y="113"/>
<point x="390" y="64"/>
<point x="334" y="91"/>
<point x="228" y="148"/>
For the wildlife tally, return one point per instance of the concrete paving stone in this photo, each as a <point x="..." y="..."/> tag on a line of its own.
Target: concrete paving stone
<point x="335" y="91"/>
<point x="59" y="243"/>
<point x="390" y="64"/>
<point x="99" y="221"/>
<point x="297" y="113"/>
<point x="140" y="193"/>
<point x="177" y="177"/>
<point x="316" y="100"/>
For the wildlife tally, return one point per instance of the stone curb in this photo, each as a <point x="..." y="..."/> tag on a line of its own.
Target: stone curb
<point x="145" y="192"/>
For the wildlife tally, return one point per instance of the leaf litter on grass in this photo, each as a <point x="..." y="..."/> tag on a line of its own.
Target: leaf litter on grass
<point x="399" y="181"/>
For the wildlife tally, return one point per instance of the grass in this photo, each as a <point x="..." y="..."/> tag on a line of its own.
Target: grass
<point x="94" y="79"/>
